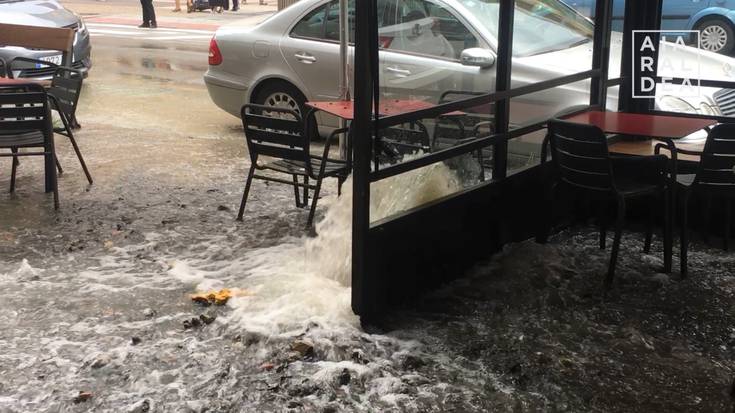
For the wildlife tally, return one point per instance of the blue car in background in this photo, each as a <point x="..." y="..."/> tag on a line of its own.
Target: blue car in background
<point x="715" y="19"/>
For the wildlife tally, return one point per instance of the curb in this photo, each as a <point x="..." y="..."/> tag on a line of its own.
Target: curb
<point x="162" y="23"/>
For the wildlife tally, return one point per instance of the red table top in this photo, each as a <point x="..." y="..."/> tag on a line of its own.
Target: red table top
<point x="654" y="126"/>
<point x="345" y="109"/>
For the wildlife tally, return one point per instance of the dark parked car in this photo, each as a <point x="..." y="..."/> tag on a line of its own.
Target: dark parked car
<point x="44" y="13"/>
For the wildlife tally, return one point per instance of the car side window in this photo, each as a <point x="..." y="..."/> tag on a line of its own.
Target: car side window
<point x="422" y="27"/>
<point x="312" y="25"/>
<point x="332" y="25"/>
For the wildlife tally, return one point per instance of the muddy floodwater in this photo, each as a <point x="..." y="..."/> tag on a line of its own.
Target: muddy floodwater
<point x="96" y="315"/>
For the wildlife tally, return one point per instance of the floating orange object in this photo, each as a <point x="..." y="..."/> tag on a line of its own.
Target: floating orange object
<point x="217" y="297"/>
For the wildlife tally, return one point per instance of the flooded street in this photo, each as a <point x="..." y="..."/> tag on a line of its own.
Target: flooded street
<point x="96" y="314"/>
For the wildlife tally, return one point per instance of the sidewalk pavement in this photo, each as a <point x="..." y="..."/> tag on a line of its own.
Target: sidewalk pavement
<point x="129" y="13"/>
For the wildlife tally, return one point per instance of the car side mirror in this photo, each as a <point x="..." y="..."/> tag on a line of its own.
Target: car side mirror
<point x="477" y="56"/>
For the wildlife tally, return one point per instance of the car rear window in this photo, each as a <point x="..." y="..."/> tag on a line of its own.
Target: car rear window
<point x="312" y="25"/>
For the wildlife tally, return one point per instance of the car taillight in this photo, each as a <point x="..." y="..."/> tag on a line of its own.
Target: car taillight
<point x="385" y="41"/>
<point x="215" y="57"/>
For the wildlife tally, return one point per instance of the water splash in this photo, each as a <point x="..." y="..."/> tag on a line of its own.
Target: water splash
<point x="308" y="280"/>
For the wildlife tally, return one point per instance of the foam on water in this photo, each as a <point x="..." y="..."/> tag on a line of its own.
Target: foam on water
<point x="308" y="280"/>
<point x="71" y="319"/>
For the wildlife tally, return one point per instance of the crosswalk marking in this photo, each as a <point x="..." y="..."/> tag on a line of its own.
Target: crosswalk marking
<point x="133" y="32"/>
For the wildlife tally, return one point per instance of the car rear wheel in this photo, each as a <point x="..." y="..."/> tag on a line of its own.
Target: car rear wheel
<point x="717" y="36"/>
<point x="281" y="95"/>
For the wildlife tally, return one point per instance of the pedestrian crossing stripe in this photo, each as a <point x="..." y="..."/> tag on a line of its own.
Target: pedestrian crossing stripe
<point x="119" y="30"/>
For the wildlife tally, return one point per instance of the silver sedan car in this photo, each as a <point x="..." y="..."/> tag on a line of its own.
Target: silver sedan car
<point x="427" y="47"/>
<point x="44" y="13"/>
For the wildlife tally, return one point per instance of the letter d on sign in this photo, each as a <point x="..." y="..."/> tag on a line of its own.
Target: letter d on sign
<point x="647" y="84"/>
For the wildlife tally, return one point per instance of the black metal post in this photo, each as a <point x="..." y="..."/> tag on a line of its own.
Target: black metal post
<point x="503" y="82"/>
<point x="601" y="53"/>
<point x="365" y="48"/>
<point x="639" y="15"/>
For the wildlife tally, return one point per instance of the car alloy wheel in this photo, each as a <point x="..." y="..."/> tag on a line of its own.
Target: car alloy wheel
<point x="282" y="100"/>
<point x="714" y="38"/>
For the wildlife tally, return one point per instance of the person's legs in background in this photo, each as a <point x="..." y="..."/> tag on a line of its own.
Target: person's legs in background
<point x="151" y="14"/>
<point x="177" y="5"/>
<point x="235" y="5"/>
<point x="146" y="17"/>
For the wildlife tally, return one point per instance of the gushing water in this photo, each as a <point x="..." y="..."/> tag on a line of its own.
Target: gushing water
<point x="308" y="280"/>
<point x="75" y="333"/>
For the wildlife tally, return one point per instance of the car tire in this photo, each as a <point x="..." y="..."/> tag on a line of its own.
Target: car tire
<point x="280" y="93"/>
<point x="717" y="36"/>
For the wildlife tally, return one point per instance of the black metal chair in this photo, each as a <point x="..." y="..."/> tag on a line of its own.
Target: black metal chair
<point x="25" y="122"/>
<point x="400" y="140"/>
<point x="581" y="160"/>
<point x="455" y="129"/>
<point x="281" y="134"/>
<point x="66" y="86"/>
<point x="74" y="86"/>
<point x="64" y="92"/>
<point x="714" y="178"/>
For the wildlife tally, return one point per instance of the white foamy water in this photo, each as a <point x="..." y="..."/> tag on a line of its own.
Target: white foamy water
<point x="308" y="279"/>
<point x="69" y="322"/>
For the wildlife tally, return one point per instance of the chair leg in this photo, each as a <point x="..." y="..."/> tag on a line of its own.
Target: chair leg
<point x="683" y="259"/>
<point x="482" y="167"/>
<point x="81" y="159"/>
<point x="13" y="170"/>
<point x="245" y="193"/>
<point x="296" y="190"/>
<point x="59" y="169"/>
<point x="602" y="224"/>
<point x="74" y="123"/>
<point x="314" y="201"/>
<point x="649" y="227"/>
<point x="340" y="181"/>
<point x="306" y="190"/>
<point x="669" y="211"/>
<point x="545" y="222"/>
<point x="56" y="186"/>
<point x="616" y="243"/>
<point x="706" y="218"/>
<point x="728" y="221"/>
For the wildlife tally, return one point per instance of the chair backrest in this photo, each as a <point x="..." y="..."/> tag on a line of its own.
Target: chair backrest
<point x="481" y="113"/>
<point x="66" y="86"/>
<point x="579" y="153"/>
<point x="408" y="138"/>
<point x="275" y="132"/>
<point x="717" y="164"/>
<point x="24" y="111"/>
<point x="35" y="37"/>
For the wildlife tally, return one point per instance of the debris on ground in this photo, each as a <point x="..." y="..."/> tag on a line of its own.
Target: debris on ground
<point x="344" y="377"/>
<point x="218" y="297"/>
<point x="82" y="397"/>
<point x="206" y="319"/>
<point x="301" y="349"/>
<point x="192" y="323"/>
<point x="143" y="406"/>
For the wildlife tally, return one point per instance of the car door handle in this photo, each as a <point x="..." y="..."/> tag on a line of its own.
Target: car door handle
<point x="398" y="72"/>
<point x="305" y="57"/>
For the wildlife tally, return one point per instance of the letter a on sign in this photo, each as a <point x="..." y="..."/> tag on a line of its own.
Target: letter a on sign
<point x="647" y="44"/>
